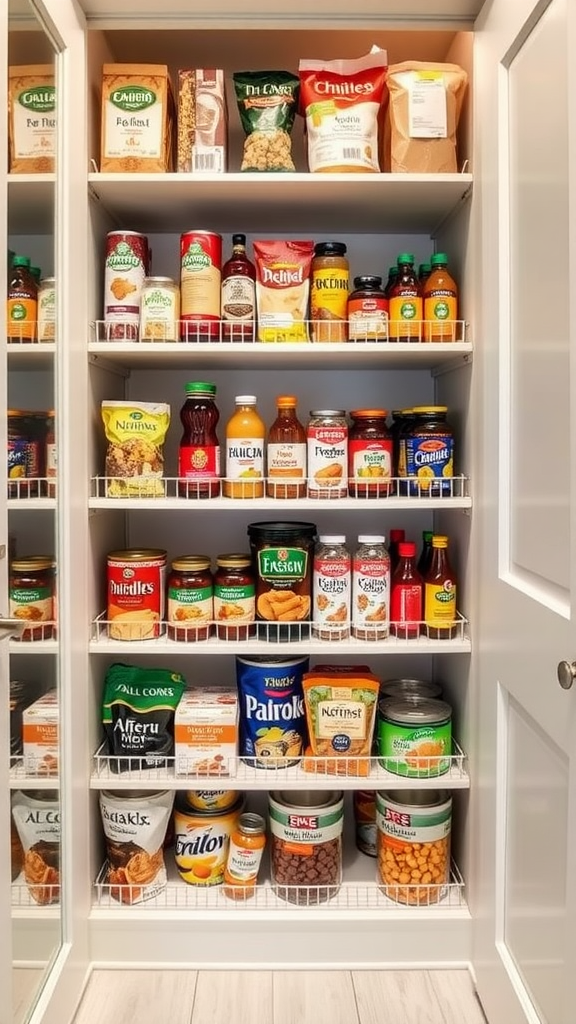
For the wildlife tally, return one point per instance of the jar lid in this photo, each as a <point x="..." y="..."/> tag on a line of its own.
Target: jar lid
<point x="405" y="257"/>
<point x="198" y="387"/>
<point x="233" y="561"/>
<point x="136" y="554"/>
<point x="413" y="710"/>
<point x="416" y="797"/>
<point x="191" y="562"/>
<point x="332" y="538"/>
<point x="251" y="823"/>
<point x="279" y="529"/>
<point x="35" y="562"/>
<point x="158" y="280"/>
<point x="330" y="249"/>
<point x="371" y="538"/>
<point x="409" y="688"/>
<point x="327" y="412"/>
<point x="245" y="399"/>
<point x="369" y="414"/>
<point x="429" y="410"/>
<point x="368" y="281"/>
<point x="438" y="259"/>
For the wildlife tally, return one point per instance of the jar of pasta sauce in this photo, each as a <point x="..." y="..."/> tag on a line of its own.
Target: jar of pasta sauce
<point x="234" y="597"/>
<point x="32" y="589"/>
<point x="190" y="596"/>
<point x="368" y="310"/>
<point x="370" y="455"/>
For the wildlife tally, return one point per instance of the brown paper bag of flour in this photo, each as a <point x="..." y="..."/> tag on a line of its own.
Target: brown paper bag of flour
<point x="424" y="110"/>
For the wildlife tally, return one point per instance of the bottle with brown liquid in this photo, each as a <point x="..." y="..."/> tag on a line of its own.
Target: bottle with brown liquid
<point x="22" y="303"/>
<point x="286" y="452"/>
<point x="238" y="293"/>
<point x="440" y="302"/>
<point x="440" y="593"/>
<point x="406" y="307"/>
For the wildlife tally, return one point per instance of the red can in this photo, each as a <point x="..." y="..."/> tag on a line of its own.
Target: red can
<point x="200" y="285"/>
<point x="136" y="594"/>
<point x="127" y="263"/>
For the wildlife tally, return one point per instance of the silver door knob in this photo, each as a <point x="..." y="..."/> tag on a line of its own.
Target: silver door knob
<point x="566" y="672"/>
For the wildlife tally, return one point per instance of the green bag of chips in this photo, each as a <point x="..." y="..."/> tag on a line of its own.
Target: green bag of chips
<point x="268" y="102"/>
<point x="138" y="715"/>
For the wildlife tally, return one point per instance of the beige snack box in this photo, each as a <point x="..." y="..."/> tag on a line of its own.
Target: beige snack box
<point x="137" y="118"/>
<point x="40" y="735"/>
<point x="32" y="118"/>
<point x="206" y="732"/>
<point x="202" y="121"/>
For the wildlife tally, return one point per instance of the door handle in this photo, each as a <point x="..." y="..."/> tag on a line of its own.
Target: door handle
<point x="566" y="673"/>
<point x="11" y="627"/>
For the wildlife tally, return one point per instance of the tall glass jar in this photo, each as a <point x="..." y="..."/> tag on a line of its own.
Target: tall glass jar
<point x="327" y="440"/>
<point x="370" y="455"/>
<point x="199" y="451"/>
<point x="371" y="589"/>
<point x="331" y="588"/>
<point x="234" y="597"/>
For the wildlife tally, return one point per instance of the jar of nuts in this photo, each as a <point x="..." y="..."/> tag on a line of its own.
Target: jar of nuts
<point x="414" y="844"/>
<point x="306" y="831"/>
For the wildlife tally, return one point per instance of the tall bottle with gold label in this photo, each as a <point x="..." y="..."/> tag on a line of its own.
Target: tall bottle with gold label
<point x="406" y="309"/>
<point x="440" y="593"/>
<point x="329" y="292"/>
<point x="22" y="303"/>
<point x="245" y="433"/>
<point x="440" y="302"/>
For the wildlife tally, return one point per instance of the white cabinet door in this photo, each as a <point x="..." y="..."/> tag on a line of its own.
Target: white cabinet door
<point x="524" y="803"/>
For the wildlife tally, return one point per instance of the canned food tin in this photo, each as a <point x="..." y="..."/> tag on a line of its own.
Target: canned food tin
<point x="127" y="264"/>
<point x="283" y="558"/>
<point x="32" y="591"/>
<point x="306" y="830"/>
<point x="47" y="309"/>
<point x="160" y="310"/>
<point x="136" y="594"/>
<point x="201" y="841"/>
<point x="211" y="799"/>
<point x="414" y="736"/>
<point x="409" y="688"/>
<point x="365" y="821"/>
<point x="272" y="715"/>
<point x="414" y="827"/>
<point x="200" y="284"/>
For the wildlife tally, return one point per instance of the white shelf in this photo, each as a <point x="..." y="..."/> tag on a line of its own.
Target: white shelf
<point x="296" y="202"/>
<point x="31" y="504"/>
<point x="31" y="204"/>
<point x="21" y="779"/>
<point x="33" y="646"/>
<point x="33" y="356"/>
<point x="24" y="904"/>
<point x="247" y="778"/>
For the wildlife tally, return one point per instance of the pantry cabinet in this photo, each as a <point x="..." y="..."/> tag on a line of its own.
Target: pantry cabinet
<point x="506" y="222"/>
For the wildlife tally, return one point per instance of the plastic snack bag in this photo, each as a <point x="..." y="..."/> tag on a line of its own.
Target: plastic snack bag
<point x="268" y="102"/>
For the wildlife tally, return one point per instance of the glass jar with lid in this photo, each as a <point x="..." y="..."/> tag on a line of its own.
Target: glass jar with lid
<point x="190" y="596"/>
<point x="332" y="586"/>
<point x="234" y="597"/>
<point x="370" y="455"/>
<point x="327" y="442"/>
<point x="371" y="588"/>
<point x="329" y="292"/>
<point x="368" y="310"/>
<point x="160" y="310"/>
<point x="32" y="592"/>
<point x="429" y="446"/>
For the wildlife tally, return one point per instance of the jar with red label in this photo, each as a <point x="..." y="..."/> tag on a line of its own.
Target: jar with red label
<point x="190" y="597"/>
<point x="31" y="594"/>
<point x="235" y="597"/>
<point x="327" y="443"/>
<point x="371" y="589"/>
<point x="135" y="608"/>
<point x="199" y="450"/>
<point x="126" y="264"/>
<point x="331" y="588"/>
<point x="370" y="455"/>
<point x="368" y="310"/>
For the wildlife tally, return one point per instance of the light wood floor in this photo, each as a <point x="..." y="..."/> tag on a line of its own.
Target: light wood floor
<point x="290" y="997"/>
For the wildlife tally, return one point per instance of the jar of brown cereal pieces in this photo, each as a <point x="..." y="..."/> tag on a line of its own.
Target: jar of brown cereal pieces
<point x="413" y="838"/>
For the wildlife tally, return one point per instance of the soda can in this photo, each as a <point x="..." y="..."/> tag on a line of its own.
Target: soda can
<point x="200" y="285"/>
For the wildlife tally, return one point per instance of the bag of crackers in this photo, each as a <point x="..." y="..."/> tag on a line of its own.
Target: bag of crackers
<point x="268" y="102"/>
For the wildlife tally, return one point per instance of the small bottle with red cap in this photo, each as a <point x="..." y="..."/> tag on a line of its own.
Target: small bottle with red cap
<point x="407" y="595"/>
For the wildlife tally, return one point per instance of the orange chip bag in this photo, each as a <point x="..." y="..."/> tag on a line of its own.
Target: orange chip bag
<point x="282" y="289"/>
<point x="342" y="101"/>
<point x="340" y="714"/>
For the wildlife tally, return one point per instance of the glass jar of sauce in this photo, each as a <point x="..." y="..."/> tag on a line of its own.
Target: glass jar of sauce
<point x="368" y="310"/>
<point x="160" y="310"/>
<point x="329" y="292"/>
<point x="429" y="447"/>
<point x="370" y="455"/>
<point x="327" y="442"/>
<point x="199" y="451"/>
<point x="32" y="591"/>
<point x="190" y="599"/>
<point x="234" y="597"/>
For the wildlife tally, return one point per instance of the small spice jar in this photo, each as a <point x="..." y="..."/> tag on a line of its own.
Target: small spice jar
<point x="234" y="597"/>
<point x="245" y="851"/>
<point x="370" y="455"/>
<point x="368" y="310"/>
<point x="190" y="598"/>
<point x="329" y="292"/>
<point x="32" y="589"/>
<point x="160" y="310"/>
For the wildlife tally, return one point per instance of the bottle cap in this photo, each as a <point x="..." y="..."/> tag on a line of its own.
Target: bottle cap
<point x="245" y="399"/>
<point x="405" y="257"/>
<point x="407" y="549"/>
<point x="439" y="541"/>
<point x="427" y="536"/>
<point x="439" y="259"/>
<point x="36" y="273"/>
<point x="371" y="538"/>
<point x="332" y="538"/>
<point x="21" y="261"/>
<point x="251" y="823"/>
<point x="425" y="268"/>
<point x="359" y="414"/>
<point x="197" y="387"/>
<point x="238" y="239"/>
<point x="286" y="401"/>
<point x="396" y="536"/>
<point x="330" y="249"/>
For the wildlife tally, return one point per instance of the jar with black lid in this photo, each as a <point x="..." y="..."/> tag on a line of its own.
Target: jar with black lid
<point x="368" y="310"/>
<point x="190" y="596"/>
<point x="234" y="597"/>
<point x="429" y="446"/>
<point x="32" y="590"/>
<point x="329" y="292"/>
<point x="407" y="420"/>
<point x="370" y="455"/>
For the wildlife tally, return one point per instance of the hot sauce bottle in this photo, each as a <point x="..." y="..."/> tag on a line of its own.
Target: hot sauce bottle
<point x="406" y="599"/>
<point x="286" y="452"/>
<point x="406" y="309"/>
<point x="238" y="293"/>
<point x="440" y="593"/>
<point x="199" y="451"/>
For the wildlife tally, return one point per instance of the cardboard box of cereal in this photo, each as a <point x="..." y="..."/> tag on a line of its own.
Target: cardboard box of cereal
<point x="206" y="732"/>
<point x="137" y="118"/>
<point x="40" y="735"/>
<point x="32" y="118"/>
<point x="202" y="121"/>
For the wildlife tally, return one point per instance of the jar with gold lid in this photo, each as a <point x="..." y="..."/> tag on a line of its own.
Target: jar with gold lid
<point x="190" y="598"/>
<point x="32" y="589"/>
<point x="234" y="597"/>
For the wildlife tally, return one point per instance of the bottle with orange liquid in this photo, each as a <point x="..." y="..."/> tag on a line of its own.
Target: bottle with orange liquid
<point x="286" y="452"/>
<point x="440" y="302"/>
<point x="247" y="844"/>
<point x="245" y="433"/>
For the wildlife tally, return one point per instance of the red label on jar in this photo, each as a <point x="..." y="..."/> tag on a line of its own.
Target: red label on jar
<point x="406" y="603"/>
<point x="199" y="461"/>
<point x="370" y="459"/>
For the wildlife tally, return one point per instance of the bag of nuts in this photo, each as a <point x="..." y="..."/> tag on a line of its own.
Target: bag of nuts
<point x="267" y="101"/>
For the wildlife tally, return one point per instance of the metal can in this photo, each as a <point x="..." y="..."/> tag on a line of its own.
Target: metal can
<point x="160" y="310"/>
<point x="127" y="264"/>
<point x="200" y="285"/>
<point x="201" y="840"/>
<point x="409" y="688"/>
<point x="211" y="799"/>
<point x="272" y="715"/>
<point x="306" y="845"/>
<point x="32" y="593"/>
<point x="47" y="309"/>
<point x="414" y="826"/>
<point x="283" y="558"/>
<point x="327" y="441"/>
<point x="135" y="608"/>
<point x="365" y="821"/>
<point x="414" y="736"/>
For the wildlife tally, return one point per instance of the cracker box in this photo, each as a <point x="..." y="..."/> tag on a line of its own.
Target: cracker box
<point x="206" y="732"/>
<point x="137" y="118"/>
<point x="40" y="735"/>
<point x="32" y="118"/>
<point x="202" y="121"/>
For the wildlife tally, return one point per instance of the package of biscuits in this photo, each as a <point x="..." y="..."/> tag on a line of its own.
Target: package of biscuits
<point x="341" y="715"/>
<point x="32" y="118"/>
<point x="135" y="825"/>
<point x="137" y="119"/>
